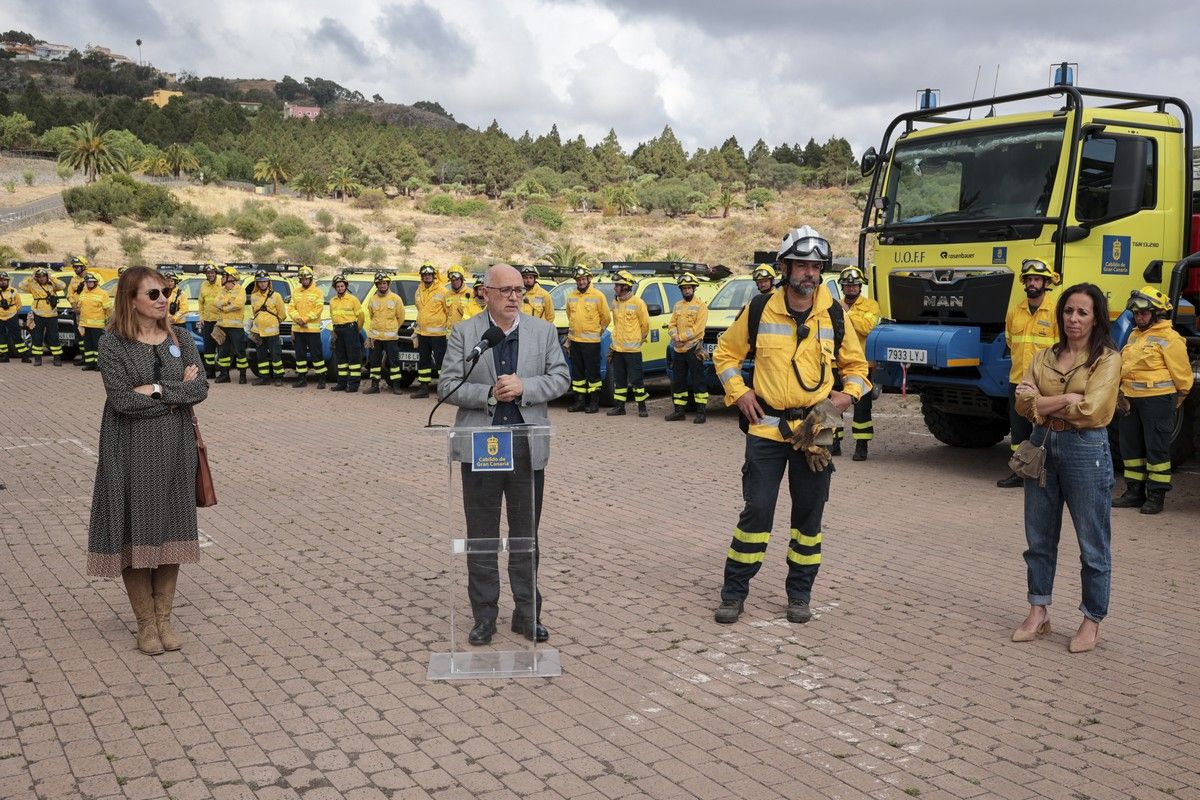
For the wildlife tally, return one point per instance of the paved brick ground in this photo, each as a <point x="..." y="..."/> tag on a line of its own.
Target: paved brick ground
<point x="309" y="621"/>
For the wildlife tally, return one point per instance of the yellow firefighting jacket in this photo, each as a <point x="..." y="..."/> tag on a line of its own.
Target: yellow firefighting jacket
<point x="268" y="311"/>
<point x="779" y="357"/>
<point x="45" y="298"/>
<point x="431" y="309"/>
<point x="231" y="307"/>
<point x="537" y="303"/>
<point x="10" y="303"/>
<point x="306" y="308"/>
<point x="472" y="308"/>
<point x="387" y="315"/>
<point x="864" y="316"/>
<point x="587" y="315"/>
<point x="455" y="304"/>
<point x="95" y="305"/>
<point x="688" y="319"/>
<point x="74" y="289"/>
<point x="1027" y="333"/>
<point x="208" y="300"/>
<point x="346" y="308"/>
<point x="631" y="324"/>
<point x="179" y="306"/>
<point x="1154" y="362"/>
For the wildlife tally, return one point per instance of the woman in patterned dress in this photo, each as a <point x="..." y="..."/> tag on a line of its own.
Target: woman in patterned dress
<point x="143" y="523"/>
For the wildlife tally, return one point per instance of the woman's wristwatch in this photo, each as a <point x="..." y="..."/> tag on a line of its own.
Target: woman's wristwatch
<point x="155" y="391"/>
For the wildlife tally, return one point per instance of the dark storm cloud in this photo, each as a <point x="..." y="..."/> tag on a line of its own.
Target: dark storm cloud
<point x="116" y="24"/>
<point x="421" y="28"/>
<point x="334" y="34"/>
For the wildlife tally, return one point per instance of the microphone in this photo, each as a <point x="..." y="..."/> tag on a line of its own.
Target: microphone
<point x="491" y="337"/>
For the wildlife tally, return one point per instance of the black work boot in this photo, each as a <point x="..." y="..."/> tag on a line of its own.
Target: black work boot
<point x="616" y="411"/>
<point x="860" y="450"/>
<point x="373" y="388"/>
<point x="242" y="377"/>
<point x="261" y="380"/>
<point x="676" y="415"/>
<point x="396" y="389"/>
<point x="320" y="383"/>
<point x="4" y="359"/>
<point x="577" y="404"/>
<point x="798" y="611"/>
<point x="210" y="371"/>
<point x="1013" y="481"/>
<point x="642" y="410"/>
<point x="25" y="359"/>
<point x="728" y="612"/>
<point x="300" y="382"/>
<point x="422" y="392"/>
<point x="700" y="417"/>
<point x="37" y="361"/>
<point x="222" y="376"/>
<point x="1135" y="495"/>
<point x="1154" y="501"/>
<point x="58" y="361"/>
<point x="835" y="449"/>
<point x="353" y="387"/>
<point x="278" y="381"/>
<point x="593" y="403"/>
<point x="337" y="387"/>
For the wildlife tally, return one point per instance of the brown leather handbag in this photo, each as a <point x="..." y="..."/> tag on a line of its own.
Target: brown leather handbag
<point x="206" y="494"/>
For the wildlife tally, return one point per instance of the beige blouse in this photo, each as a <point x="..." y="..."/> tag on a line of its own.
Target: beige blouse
<point x="1098" y="384"/>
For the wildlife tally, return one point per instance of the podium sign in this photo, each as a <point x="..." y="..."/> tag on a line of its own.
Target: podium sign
<point x="492" y="547"/>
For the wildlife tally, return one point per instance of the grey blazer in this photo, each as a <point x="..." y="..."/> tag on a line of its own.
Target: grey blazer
<point x="540" y="365"/>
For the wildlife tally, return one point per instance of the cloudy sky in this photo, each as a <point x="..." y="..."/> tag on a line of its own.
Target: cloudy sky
<point x="783" y="70"/>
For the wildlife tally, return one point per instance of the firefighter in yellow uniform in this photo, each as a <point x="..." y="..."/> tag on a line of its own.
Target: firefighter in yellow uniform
<point x="387" y="315"/>
<point x="267" y="311"/>
<point x="207" y="305"/>
<point x="537" y="301"/>
<point x="305" y="310"/>
<point x="631" y="326"/>
<point x="587" y="315"/>
<point x="11" y="341"/>
<point x="686" y="329"/>
<point x="1030" y="326"/>
<point x="789" y="416"/>
<point x="431" y="329"/>
<point x="1156" y="377"/>
<point x="458" y="294"/>
<point x="231" y="315"/>
<point x="346" y="315"/>
<point x="863" y="315"/>
<point x="46" y="292"/>
<point x="476" y="304"/>
<point x="764" y="278"/>
<point x="179" y="304"/>
<point x="95" y="307"/>
<point x="75" y="287"/>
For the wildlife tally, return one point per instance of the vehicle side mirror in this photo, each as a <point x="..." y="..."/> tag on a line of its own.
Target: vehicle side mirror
<point x="868" y="162"/>
<point x="654" y="309"/>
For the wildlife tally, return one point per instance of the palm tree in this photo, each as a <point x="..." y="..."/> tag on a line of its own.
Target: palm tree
<point x="565" y="254"/>
<point x="126" y="163"/>
<point x="725" y="200"/>
<point x="309" y="184"/>
<point x="622" y="198"/>
<point x="271" y="168"/>
<point x="342" y="182"/>
<point x="91" y="150"/>
<point x="180" y="159"/>
<point x="155" y="165"/>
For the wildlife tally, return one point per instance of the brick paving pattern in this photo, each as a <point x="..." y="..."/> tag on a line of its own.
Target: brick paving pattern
<point x="309" y="621"/>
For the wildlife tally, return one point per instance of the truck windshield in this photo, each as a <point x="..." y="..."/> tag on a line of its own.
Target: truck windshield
<point x="734" y="294"/>
<point x="976" y="175"/>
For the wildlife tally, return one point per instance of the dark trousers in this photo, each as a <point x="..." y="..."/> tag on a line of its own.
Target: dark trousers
<point x="270" y="356"/>
<point x="762" y="471"/>
<point x="45" y="336"/>
<point x="482" y="492"/>
<point x="11" y="343"/>
<point x="863" y="427"/>
<point x="210" y="345"/>
<point x="627" y="377"/>
<point x="430" y="352"/>
<point x="347" y="354"/>
<point x="585" y="367"/>
<point x="1019" y="427"/>
<point x="687" y="378"/>
<point x="233" y="350"/>
<point x="1145" y="436"/>
<point x="91" y="345"/>
<point x="309" y="353"/>
<point x="392" y="350"/>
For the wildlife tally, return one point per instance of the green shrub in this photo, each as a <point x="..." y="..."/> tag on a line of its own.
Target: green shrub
<point x="191" y="223"/>
<point x="346" y="231"/>
<point x="324" y="220"/>
<point x="151" y="200"/>
<point x="441" y="204"/>
<point x="370" y="198"/>
<point x="447" y="206"/>
<point x="263" y="251"/>
<point x="104" y="200"/>
<point x="249" y="228"/>
<point x="36" y="247"/>
<point x="543" y="215"/>
<point x="160" y="224"/>
<point x="760" y="197"/>
<point x="27" y="176"/>
<point x="407" y="236"/>
<point x="286" y="225"/>
<point x="301" y="249"/>
<point x="471" y="207"/>
<point x="132" y="245"/>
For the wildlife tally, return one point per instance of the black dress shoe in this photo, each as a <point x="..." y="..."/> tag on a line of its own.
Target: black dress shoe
<point x="535" y="632"/>
<point x="482" y="632"/>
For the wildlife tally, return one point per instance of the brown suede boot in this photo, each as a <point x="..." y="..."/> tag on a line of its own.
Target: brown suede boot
<point x="163" y="580"/>
<point x="141" y="599"/>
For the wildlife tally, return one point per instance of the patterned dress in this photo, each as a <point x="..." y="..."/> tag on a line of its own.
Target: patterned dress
<point x="144" y="502"/>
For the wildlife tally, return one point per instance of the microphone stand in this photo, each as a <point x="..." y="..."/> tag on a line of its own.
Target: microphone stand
<point x="457" y="386"/>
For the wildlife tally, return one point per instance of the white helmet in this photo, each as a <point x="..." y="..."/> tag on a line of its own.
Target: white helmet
<point x="807" y="245"/>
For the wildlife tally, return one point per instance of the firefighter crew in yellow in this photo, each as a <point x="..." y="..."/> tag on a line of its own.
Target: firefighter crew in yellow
<point x="587" y="317"/>
<point x="1030" y="326"/>
<point x="383" y="333"/>
<point x="686" y="329"/>
<point x="431" y="329"/>
<point x="267" y="311"/>
<point x="1156" y="377"/>
<point x="537" y="301"/>
<point x="95" y="307"/>
<point x="75" y="287"/>
<point x="346" y="316"/>
<point x="788" y="415"/>
<point x="458" y="294"/>
<point x="863" y="315"/>
<point x="231" y="315"/>
<point x="46" y="292"/>
<point x="179" y="304"/>
<point x="11" y="342"/>
<point x="631" y="327"/>
<point x="305" y="310"/>
<point x="476" y="303"/>
<point x="764" y="278"/>
<point x="207" y="305"/>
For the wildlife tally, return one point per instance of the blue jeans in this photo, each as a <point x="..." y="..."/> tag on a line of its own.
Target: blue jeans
<point x="1079" y="472"/>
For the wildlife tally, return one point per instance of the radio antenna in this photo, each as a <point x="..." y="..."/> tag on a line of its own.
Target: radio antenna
<point x="995" y="84"/>
<point x="975" y="90"/>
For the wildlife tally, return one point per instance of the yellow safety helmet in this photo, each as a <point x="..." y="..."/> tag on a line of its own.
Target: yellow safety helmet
<point x="583" y="272"/>
<point x="41" y="271"/>
<point x="1148" y="298"/>
<point x="1036" y="268"/>
<point x="3" y="275"/>
<point x="210" y="266"/>
<point x="530" y="270"/>
<point x="625" y="277"/>
<point x="229" y="272"/>
<point x="79" y="261"/>
<point x="428" y="269"/>
<point x="339" y="278"/>
<point x="306" y="272"/>
<point x="454" y="272"/>
<point x="383" y="276"/>
<point x="91" y="276"/>
<point x="764" y="271"/>
<point x="688" y="279"/>
<point x="852" y="275"/>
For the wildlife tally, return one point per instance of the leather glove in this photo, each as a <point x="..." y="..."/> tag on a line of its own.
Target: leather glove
<point x="1122" y="403"/>
<point x="818" y="458"/>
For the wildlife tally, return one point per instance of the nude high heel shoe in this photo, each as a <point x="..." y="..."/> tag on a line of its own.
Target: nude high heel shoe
<point x="1043" y="628"/>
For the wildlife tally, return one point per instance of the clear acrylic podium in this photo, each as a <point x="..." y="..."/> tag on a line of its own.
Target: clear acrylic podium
<point x="492" y="554"/>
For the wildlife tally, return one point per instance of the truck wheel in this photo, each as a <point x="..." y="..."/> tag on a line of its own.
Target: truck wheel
<point x="962" y="430"/>
<point x="606" y="389"/>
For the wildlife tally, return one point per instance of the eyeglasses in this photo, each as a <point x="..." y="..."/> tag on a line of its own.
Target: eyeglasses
<point x="508" y="291"/>
<point x="154" y="294"/>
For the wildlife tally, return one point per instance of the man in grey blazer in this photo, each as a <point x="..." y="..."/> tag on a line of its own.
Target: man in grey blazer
<point x="511" y="385"/>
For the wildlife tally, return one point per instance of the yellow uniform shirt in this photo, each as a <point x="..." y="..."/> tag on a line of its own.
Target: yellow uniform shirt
<point x="688" y="320"/>
<point x="95" y="305"/>
<point x="45" y="296"/>
<point x="1155" y="362"/>
<point x="179" y="306"/>
<point x="1027" y="333"/>
<point x="864" y="316"/>
<point x="631" y="325"/>
<point x="306" y="309"/>
<point x="537" y="303"/>
<point x="231" y="307"/>
<point x="472" y="308"/>
<point x="10" y="303"/>
<point x="208" y="301"/>
<point x="345" y="308"/>
<point x="456" y="302"/>
<point x="587" y="315"/>
<point x="387" y="315"/>
<point x="1098" y="384"/>
<point x="431" y="310"/>
<point x="268" y="311"/>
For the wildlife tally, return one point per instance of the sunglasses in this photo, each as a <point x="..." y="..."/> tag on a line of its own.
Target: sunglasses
<point x="154" y="294"/>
